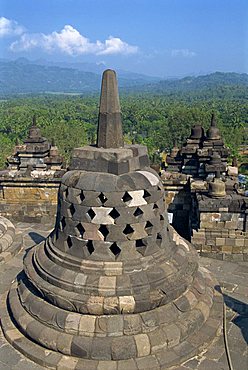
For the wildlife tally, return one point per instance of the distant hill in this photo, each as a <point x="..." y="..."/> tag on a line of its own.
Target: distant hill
<point x="200" y="82"/>
<point x="23" y="77"/>
<point x="97" y="68"/>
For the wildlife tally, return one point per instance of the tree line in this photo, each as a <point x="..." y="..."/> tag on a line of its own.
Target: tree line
<point x="157" y="121"/>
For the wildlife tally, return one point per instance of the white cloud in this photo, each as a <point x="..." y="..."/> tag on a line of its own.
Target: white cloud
<point x="9" y="27"/>
<point x="185" y="53"/>
<point x="114" y="45"/>
<point x="71" y="42"/>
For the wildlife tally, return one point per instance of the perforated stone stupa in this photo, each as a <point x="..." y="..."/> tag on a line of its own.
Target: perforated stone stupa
<point x="113" y="286"/>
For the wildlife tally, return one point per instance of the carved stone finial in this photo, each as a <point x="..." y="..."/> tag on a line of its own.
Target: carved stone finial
<point x="34" y="131"/>
<point x="217" y="187"/>
<point x="213" y="132"/>
<point x="109" y="133"/>
<point x="34" y="120"/>
<point x="213" y="121"/>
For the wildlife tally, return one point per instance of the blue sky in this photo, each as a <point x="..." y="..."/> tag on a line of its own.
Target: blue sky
<point x="155" y="37"/>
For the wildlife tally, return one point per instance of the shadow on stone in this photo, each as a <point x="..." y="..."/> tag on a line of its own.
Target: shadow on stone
<point x="37" y="238"/>
<point x="241" y="308"/>
<point x="181" y="209"/>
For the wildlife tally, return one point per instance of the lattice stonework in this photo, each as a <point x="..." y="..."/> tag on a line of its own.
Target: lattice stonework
<point x="113" y="286"/>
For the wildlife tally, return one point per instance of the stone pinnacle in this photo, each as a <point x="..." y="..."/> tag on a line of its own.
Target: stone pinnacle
<point x="109" y="133"/>
<point x="34" y="120"/>
<point x="213" y="122"/>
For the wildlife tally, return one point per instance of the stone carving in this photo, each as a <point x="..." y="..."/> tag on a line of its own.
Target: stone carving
<point x="36" y="154"/>
<point x="10" y="241"/>
<point x="217" y="188"/>
<point x="199" y="154"/>
<point x="113" y="286"/>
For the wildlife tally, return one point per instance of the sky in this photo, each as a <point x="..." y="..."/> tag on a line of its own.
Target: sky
<point x="162" y="38"/>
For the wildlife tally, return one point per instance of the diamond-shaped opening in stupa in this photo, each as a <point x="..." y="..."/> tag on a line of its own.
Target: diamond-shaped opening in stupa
<point x="115" y="249"/>
<point x="90" y="246"/>
<point x="114" y="214"/>
<point x="128" y="230"/>
<point x="72" y="209"/>
<point x="138" y="212"/>
<point x="148" y="227"/>
<point x="69" y="242"/>
<point x="91" y="213"/>
<point x="82" y="196"/>
<point x="159" y="239"/>
<point x="104" y="230"/>
<point x="146" y="195"/>
<point x="126" y="197"/>
<point x="139" y="243"/>
<point x="66" y="192"/>
<point x="103" y="199"/>
<point x="80" y="229"/>
<point x="62" y="223"/>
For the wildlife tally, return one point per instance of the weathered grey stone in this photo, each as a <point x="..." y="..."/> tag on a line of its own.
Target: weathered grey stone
<point x="109" y="122"/>
<point x="123" y="348"/>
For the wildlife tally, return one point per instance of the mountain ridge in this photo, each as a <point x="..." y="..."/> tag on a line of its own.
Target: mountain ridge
<point x="24" y="77"/>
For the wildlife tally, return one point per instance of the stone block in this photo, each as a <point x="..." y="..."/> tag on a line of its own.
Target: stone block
<point x="81" y="346"/>
<point x="158" y="340"/>
<point x="127" y="304"/>
<point x="239" y="242"/>
<point x="95" y="305"/>
<point x="87" y="325"/>
<point x="107" y="285"/>
<point x="142" y="344"/>
<point x="123" y="348"/>
<point x="132" y="324"/>
<point x="230" y="241"/>
<point x="72" y="323"/>
<point x="107" y="365"/>
<point x="101" y="349"/>
<point x="237" y="249"/>
<point x="173" y="334"/>
<point x="115" y="325"/>
<point x="111" y="305"/>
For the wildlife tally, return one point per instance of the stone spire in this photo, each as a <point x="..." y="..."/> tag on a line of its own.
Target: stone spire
<point x="109" y="133"/>
<point x="34" y="131"/>
<point x="213" y="121"/>
<point x="213" y="132"/>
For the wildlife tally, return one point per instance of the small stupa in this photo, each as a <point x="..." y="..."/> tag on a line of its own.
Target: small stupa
<point x="113" y="286"/>
<point x="35" y="154"/>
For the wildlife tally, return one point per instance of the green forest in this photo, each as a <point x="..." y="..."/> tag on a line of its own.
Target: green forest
<point x="156" y="120"/>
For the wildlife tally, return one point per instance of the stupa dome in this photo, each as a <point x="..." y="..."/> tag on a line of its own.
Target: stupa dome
<point x="213" y="133"/>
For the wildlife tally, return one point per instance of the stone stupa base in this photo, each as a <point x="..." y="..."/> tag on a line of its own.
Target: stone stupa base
<point x="10" y="241"/>
<point x="173" y="341"/>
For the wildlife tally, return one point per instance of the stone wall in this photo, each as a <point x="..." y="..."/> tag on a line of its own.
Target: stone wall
<point x="29" y="200"/>
<point x="178" y="201"/>
<point x="218" y="228"/>
<point x="222" y="227"/>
